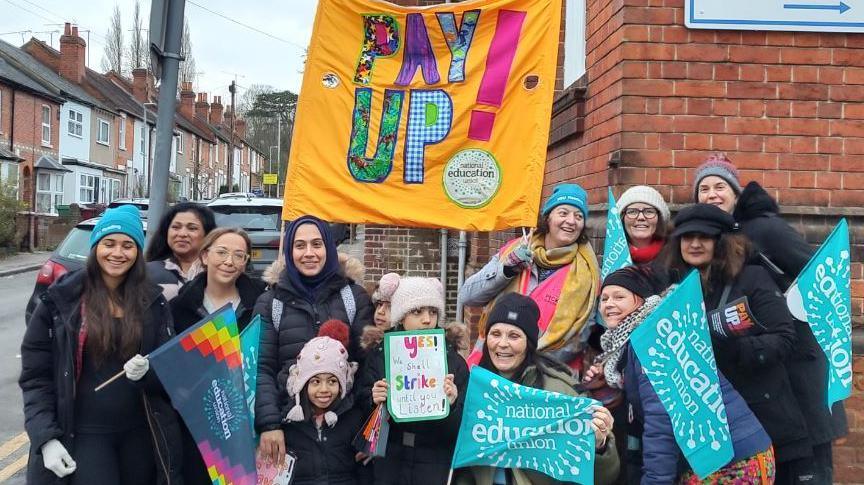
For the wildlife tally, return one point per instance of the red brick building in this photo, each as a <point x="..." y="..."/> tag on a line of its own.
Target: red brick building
<point x="656" y="98"/>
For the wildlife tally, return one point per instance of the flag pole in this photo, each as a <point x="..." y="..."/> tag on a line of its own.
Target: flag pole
<point x="114" y="378"/>
<point x="450" y="476"/>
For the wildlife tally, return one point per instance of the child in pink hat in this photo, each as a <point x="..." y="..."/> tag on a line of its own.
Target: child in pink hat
<point x="320" y="427"/>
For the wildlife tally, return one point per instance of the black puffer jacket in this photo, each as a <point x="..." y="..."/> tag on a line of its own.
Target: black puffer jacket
<point x="188" y="306"/>
<point x="326" y="456"/>
<point x="299" y="323"/>
<point x="778" y="242"/>
<point x="755" y="363"/>
<point x="418" y="452"/>
<point x="48" y="378"/>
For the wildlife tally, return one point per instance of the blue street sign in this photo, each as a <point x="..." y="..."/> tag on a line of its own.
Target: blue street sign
<point x="803" y="15"/>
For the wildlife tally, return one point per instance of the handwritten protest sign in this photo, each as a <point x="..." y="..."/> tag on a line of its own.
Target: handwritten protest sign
<point x="433" y="117"/>
<point x="820" y="296"/>
<point x="674" y="347"/>
<point x="416" y="365"/>
<point x="507" y="425"/>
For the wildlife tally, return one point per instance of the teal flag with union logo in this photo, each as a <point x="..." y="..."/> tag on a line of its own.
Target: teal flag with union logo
<point x="250" y="342"/>
<point x="674" y="348"/>
<point x="821" y="297"/>
<point x="507" y="425"/>
<point x="616" y="251"/>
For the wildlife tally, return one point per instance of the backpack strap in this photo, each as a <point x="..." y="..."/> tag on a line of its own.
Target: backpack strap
<point x="276" y="313"/>
<point x="350" y="304"/>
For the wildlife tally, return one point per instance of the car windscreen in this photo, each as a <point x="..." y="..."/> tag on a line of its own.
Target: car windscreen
<point x="250" y="218"/>
<point x="142" y="208"/>
<point x="76" y="245"/>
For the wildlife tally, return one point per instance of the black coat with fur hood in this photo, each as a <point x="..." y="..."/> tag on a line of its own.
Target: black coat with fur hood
<point x="777" y="241"/>
<point x="299" y="323"/>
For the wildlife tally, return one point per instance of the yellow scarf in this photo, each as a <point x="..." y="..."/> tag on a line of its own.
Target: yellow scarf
<point x="577" y="298"/>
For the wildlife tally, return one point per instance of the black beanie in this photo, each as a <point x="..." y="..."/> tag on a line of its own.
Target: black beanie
<point x="637" y="279"/>
<point x="519" y="310"/>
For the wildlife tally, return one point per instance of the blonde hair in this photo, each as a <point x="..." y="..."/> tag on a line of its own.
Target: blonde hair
<point x="215" y="234"/>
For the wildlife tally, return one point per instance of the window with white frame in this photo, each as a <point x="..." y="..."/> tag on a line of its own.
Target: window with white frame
<point x="9" y="175"/>
<point x="76" y="123"/>
<point x="1" y="111"/>
<point x="87" y="186"/>
<point x="122" y="132"/>
<point x="115" y="190"/>
<point x="46" y="125"/>
<point x="103" y="135"/>
<point x="142" y="142"/>
<point x="49" y="192"/>
<point x="179" y="143"/>
<point x="210" y="156"/>
<point x="574" y="41"/>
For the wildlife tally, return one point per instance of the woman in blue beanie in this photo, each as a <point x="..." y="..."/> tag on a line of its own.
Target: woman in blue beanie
<point x="556" y="264"/>
<point x="89" y="325"/>
<point x="311" y="289"/>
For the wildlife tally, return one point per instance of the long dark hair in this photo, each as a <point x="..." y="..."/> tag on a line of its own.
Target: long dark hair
<point x="306" y="404"/>
<point x="532" y="358"/>
<point x="103" y="338"/>
<point x="158" y="248"/>
<point x="731" y="251"/>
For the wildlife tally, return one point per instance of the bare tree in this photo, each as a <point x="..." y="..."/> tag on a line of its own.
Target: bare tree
<point x="112" y="58"/>
<point x="187" y="66"/>
<point x="138" y="53"/>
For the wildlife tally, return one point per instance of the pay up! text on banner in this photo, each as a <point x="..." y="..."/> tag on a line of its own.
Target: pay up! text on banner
<point x="429" y="117"/>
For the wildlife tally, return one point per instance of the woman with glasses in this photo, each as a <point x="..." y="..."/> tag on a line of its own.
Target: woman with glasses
<point x="645" y="217"/>
<point x="224" y="254"/>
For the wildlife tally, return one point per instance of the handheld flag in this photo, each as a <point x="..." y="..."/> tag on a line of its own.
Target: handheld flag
<point x="507" y="425"/>
<point x="202" y="371"/>
<point x="250" y="342"/>
<point x="674" y="347"/>
<point x="821" y="297"/>
<point x="616" y="251"/>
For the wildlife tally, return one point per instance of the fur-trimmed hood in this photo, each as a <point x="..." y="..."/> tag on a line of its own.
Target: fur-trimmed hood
<point x="456" y="335"/>
<point x="350" y="266"/>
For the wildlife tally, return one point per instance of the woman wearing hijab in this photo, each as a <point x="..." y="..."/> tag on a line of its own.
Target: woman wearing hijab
<point x="311" y="290"/>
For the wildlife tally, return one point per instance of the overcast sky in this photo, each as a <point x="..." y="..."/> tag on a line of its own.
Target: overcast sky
<point x="221" y="47"/>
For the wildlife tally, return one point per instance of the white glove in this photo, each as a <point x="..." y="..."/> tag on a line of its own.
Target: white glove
<point x="57" y="459"/>
<point x="136" y="367"/>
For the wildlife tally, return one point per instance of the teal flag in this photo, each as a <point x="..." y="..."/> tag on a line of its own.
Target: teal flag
<point x="674" y="347"/>
<point x="616" y="251"/>
<point x="820" y="296"/>
<point x="250" y="341"/>
<point x="506" y="425"/>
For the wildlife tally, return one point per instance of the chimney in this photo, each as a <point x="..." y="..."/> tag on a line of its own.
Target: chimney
<point x="142" y="85"/>
<point x="202" y="107"/>
<point x="240" y="127"/>
<point x="226" y="121"/>
<point x="216" y="111"/>
<point x="187" y="100"/>
<point x="72" y="54"/>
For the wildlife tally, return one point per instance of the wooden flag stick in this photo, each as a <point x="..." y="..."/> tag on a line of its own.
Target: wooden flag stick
<point x="113" y="378"/>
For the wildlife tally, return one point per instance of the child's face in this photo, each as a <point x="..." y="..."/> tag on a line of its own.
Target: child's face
<point x="421" y="319"/>
<point x="323" y="389"/>
<point x="382" y="315"/>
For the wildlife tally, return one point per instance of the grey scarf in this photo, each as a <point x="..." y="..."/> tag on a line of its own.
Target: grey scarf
<point x="615" y="340"/>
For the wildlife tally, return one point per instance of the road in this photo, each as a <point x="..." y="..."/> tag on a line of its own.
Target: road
<point x="14" y="293"/>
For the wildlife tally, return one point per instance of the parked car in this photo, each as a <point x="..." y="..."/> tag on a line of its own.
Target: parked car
<point x="69" y="256"/>
<point x="260" y="217"/>
<point x="142" y="204"/>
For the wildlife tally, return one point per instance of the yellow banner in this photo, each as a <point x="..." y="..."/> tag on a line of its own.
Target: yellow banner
<point x="429" y="117"/>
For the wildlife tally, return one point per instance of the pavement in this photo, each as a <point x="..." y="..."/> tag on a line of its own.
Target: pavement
<point x="14" y="292"/>
<point x="22" y="263"/>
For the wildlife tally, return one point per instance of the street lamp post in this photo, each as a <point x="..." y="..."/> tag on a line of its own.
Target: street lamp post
<point x="147" y="159"/>
<point x="270" y="170"/>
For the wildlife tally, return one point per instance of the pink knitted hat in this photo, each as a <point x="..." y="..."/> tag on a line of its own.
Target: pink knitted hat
<point x="321" y="355"/>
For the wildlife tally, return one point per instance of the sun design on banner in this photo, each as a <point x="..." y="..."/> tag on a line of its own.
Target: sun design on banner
<point x="225" y="408"/>
<point x="505" y="403"/>
<point x="678" y="397"/>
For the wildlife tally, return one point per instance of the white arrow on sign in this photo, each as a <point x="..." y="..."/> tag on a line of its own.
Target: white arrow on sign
<point x="796" y="15"/>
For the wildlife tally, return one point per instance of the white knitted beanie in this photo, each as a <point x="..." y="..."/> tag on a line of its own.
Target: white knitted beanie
<point x="415" y="292"/>
<point x="645" y="195"/>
